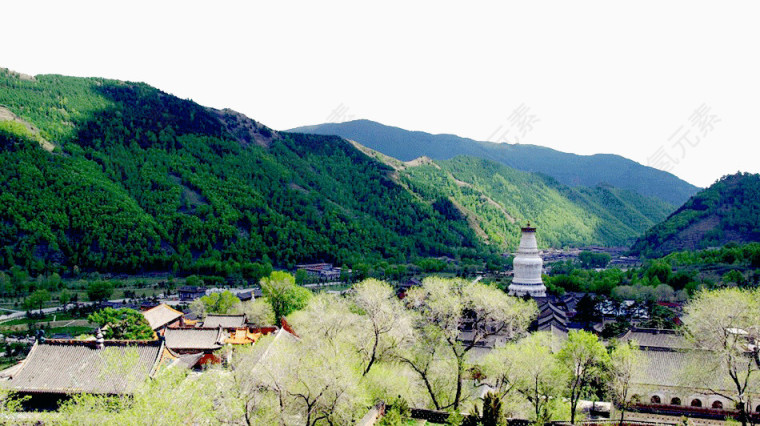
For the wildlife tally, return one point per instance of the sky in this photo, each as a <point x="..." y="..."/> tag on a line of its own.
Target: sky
<point x="674" y="85"/>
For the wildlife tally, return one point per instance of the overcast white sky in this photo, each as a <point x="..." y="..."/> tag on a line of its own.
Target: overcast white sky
<point x="584" y="77"/>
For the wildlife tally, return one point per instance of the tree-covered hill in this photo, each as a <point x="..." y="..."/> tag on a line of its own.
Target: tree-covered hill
<point x="569" y="169"/>
<point x="727" y="211"/>
<point x="494" y="198"/>
<point x="141" y="180"/>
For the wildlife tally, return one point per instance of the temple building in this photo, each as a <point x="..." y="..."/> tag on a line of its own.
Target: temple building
<point x="528" y="267"/>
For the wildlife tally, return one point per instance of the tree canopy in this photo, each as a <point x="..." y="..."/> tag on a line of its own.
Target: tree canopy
<point x="283" y="294"/>
<point x="122" y="324"/>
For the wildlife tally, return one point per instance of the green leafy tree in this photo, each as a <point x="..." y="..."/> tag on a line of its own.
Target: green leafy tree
<point x="122" y="324"/>
<point x="38" y="299"/>
<point x="54" y="281"/>
<point x="283" y="294"/>
<point x="216" y="303"/>
<point x="660" y="270"/>
<point x="99" y="291"/>
<point x="64" y="297"/>
<point x="491" y="410"/>
<point x="585" y="359"/>
<point x="193" y="281"/>
<point x="301" y="276"/>
<point x="734" y="276"/>
<point x="586" y="309"/>
<point x="594" y="260"/>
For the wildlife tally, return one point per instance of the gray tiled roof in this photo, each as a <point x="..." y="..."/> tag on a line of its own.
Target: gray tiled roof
<point x="161" y="315"/>
<point x="668" y="368"/>
<point x="188" y="361"/>
<point x="661" y="368"/>
<point x="201" y="339"/>
<point x="78" y="367"/>
<point x="656" y="339"/>
<point x="549" y="309"/>
<point x="225" y="321"/>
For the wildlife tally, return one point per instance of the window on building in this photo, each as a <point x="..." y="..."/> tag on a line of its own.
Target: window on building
<point x="675" y="401"/>
<point x="655" y="399"/>
<point x="696" y="402"/>
<point x="717" y="405"/>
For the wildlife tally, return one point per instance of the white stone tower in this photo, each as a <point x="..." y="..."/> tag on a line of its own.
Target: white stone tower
<point x="528" y="267"/>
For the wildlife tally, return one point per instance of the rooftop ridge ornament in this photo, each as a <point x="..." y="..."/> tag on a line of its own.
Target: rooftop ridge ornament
<point x="528" y="267"/>
<point x="99" y="341"/>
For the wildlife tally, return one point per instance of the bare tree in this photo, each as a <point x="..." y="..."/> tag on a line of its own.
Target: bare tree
<point x="386" y="321"/>
<point x="461" y="315"/>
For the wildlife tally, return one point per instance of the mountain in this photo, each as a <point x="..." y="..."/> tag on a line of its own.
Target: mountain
<point x="495" y="199"/>
<point x="569" y="169"/>
<point x="728" y="211"/>
<point x="107" y="175"/>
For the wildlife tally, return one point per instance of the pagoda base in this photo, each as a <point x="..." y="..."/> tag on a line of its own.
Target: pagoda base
<point x="532" y="290"/>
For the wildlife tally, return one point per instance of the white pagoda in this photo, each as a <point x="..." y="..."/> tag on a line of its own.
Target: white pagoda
<point x="528" y="267"/>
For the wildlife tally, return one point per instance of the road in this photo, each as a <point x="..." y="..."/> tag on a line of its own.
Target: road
<point x="21" y="314"/>
<point x="172" y="302"/>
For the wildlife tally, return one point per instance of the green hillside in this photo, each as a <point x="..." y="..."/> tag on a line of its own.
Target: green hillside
<point x="495" y="198"/>
<point x="141" y="180"/>
<point x="569" y="169"/>
<point x="728" y="211"/>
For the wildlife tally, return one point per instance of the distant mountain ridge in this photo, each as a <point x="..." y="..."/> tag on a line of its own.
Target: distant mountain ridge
<point x="495" y="199"/>
<point x="728" y="211"/>
<point x="569" y="169"/>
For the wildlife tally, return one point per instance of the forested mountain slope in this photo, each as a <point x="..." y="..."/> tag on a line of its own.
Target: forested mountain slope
<point x="496" y="199"/>
<point x="727" y="211"/>
<point x="569" y="169"/>
<point x="142" y="180"/>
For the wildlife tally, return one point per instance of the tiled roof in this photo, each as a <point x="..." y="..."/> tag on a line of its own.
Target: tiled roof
<point x="191" y="289"/>
<point x="661" y="368"/>
<point x="548" y="323"/>
<point x="70" y="366"/>
<point x="550" y="309"/>
<point x="656" y="339"/>
<point x="161" y="315"/>
<point x="225" y="321"/>
<point x="282" y="339"/>
<point x="667" y="368"/>
<point x="245" y="295"/>
<point x="242" y="336"/>
<point x="194" y="338"/>
<point x="170" y="359"/>
<point x="11" y="371"/>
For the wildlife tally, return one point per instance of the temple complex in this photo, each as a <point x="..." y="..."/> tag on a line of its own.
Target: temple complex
<point x="528" y="267"/>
